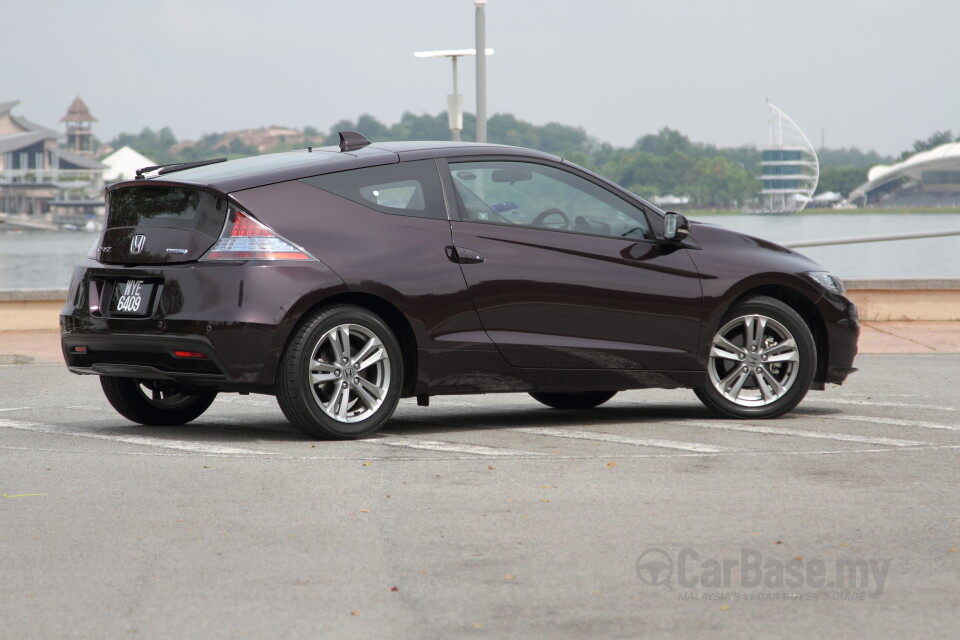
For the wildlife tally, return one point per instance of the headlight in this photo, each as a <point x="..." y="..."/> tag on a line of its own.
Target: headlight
<point x="827" y="281"/>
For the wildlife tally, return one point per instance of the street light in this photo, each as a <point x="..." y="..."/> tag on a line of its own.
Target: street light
<point x="481" y="26"/>
<point x="455" y="100"/>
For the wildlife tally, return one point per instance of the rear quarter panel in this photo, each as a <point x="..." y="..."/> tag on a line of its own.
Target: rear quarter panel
<point x="400" y="259"/>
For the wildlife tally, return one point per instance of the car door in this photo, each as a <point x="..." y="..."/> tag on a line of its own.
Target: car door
<point x="566" y="273"/>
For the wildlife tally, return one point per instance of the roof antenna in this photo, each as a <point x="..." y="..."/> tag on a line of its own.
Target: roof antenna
<point x="351" y="141"/>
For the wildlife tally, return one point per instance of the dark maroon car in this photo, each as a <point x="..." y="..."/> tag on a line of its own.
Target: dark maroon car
<point x="342" y="279"/>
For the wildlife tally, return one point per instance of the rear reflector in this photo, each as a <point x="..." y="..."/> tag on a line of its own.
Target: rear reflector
<point x="244" y="238"/>
<point x="190" y="354"/>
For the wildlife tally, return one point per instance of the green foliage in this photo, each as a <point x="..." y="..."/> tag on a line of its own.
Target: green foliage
<point x="156" y="145"/>
<point x="664" y="142"/>
<point x="501" y="129"/>
<point x="852" y="157"/>
<point x="841" y="180"/>
<point x="410" y="127"/>
<point x="709" y="180"/>
<point x="658" y="164"/>
<point x="936" y="139"/>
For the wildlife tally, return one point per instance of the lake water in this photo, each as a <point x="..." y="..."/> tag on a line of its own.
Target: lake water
<point x="44" y="260"/>
<point x="924" y="258"/>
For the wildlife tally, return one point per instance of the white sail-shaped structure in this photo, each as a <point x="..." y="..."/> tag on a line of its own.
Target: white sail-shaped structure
<point x="789" y="165"/>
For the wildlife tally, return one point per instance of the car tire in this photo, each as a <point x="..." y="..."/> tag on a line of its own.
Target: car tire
<point x="341" y="374"/>
<point x="154" y="402"/>
<point x="574" y="400"/>
<point x="761" y="362"/>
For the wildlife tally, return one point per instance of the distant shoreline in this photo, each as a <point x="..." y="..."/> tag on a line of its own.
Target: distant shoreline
<point x="825" y="212"/>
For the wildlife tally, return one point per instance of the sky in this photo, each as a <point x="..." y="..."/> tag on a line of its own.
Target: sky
<point x="874" y="74"/>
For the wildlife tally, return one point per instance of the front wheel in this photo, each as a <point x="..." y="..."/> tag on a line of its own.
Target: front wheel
<point x="761" y="363"/>
<point x="341" y="374"/>
<point x="574" y="400"/>
<point x="155" y="402"/>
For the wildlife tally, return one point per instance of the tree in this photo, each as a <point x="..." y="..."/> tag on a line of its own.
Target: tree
<point x="658" y="164"/>
<point x="851" y="157"/>
<point x="421" y="127"/>
<point x="664" y="142"/>
<point x="841" y="180"/>
<point x="240" y="148"/>
<point x="936" y="139"/>
<point x="718" y="182"/>
<point x="156" y="145"/>
<point x="560" y="139"/>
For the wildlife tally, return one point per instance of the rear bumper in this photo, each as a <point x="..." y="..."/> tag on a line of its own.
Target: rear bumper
<point x="238" y="317"/>
<point x="149" y="357"/>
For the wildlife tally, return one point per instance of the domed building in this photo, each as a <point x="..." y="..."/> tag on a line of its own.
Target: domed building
<point x="927" y="179"/>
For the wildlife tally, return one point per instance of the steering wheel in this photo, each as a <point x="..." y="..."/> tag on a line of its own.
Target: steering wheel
<point x="553" y="211"/>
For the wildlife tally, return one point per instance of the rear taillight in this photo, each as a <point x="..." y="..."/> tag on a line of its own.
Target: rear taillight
<point x="244" y="238"/>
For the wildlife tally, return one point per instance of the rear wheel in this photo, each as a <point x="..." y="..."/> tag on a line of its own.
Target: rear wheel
<point x="762" y="361"/>
<point x="573" y="400"/>
<point x="341" y="374"/>
<point x="155" y="402"/>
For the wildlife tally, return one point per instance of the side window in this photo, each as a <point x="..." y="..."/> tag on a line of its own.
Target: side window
<point x="535" y="195"/>
<point x="404" y="188"/>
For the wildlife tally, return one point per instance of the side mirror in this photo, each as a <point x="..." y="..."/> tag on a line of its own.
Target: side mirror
<point x="675" y="227"/>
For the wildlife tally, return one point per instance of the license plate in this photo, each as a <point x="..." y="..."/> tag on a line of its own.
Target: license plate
<point x="131" y="298"/>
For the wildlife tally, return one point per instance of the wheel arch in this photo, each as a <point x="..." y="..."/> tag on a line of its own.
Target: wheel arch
<point x="390" y="314"/>
<point x="806" y="309"/>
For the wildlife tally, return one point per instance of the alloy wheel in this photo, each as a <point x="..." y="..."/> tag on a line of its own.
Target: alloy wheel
<point x="754" y="360"/>
<point x="349" y="373"/>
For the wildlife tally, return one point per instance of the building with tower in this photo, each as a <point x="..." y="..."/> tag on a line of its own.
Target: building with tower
<point x="789" y="166"/>
<point x="79" y="123"/>
<point x="41" y="177"/>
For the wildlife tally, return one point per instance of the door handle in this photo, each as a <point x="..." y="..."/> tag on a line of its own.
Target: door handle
<point x="462" y="255"/>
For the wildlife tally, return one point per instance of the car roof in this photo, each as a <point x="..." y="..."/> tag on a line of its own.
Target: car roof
<point x="257" y="171"/>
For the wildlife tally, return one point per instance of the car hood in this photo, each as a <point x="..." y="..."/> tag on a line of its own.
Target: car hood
<point x="707" y="232"/>
<point x="743" y="262"/>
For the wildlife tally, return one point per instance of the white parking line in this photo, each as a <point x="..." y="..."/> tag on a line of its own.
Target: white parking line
<point x="14" y="408"/>
<point x="449" y="447"/>
<point x="817" y="435"/>
<point x="595" y="456"/>
<point x="898" y="405"/>
<point x="639" y="442"/>
<point x="179" y="445"/>
<point x="919" y="424"/>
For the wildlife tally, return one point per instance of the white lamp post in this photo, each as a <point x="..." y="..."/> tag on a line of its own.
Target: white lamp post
<point x="455" y="100"/>
<point x="481" y="24"/>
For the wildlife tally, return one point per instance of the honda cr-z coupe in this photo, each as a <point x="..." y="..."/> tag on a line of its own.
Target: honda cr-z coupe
<point x="342" y="279"/>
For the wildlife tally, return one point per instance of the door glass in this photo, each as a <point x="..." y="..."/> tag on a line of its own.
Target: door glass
<point x="402" y="188"/>
<point x="540" y="196"/>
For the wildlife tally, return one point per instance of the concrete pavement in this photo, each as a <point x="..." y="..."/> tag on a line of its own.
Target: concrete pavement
<point x="486" y="517"/>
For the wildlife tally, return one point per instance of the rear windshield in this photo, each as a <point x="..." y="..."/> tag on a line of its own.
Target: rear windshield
<point x="170" y="207"/>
